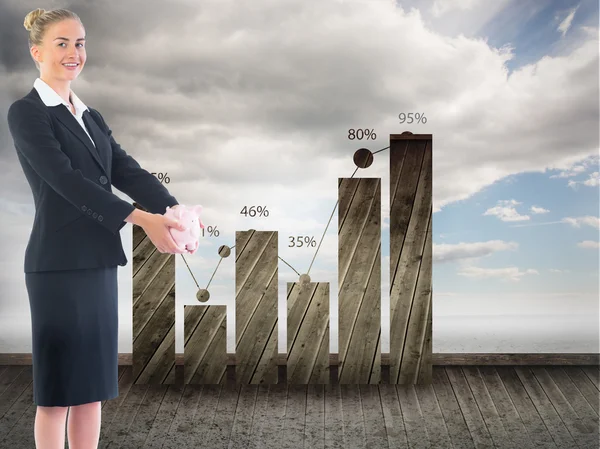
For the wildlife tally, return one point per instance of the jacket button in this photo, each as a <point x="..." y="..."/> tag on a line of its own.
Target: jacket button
<point x="100" y="218"/>
<point x="89" y="211"/>
<point x="103" y="179"/>
<point x="83" y="208"/>
<point x="95" y="214"/>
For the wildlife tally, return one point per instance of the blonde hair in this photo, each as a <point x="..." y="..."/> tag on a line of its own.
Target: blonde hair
<point x="38" y="21"/>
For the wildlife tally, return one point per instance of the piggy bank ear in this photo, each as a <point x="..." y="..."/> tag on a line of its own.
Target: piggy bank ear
<point x="197" y="209"/>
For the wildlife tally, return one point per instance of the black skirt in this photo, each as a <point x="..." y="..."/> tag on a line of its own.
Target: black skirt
<point x="75" y="323"/>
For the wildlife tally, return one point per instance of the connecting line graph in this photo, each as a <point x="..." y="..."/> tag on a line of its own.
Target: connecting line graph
<point x="307" y="358"/>
<point x="363" y="158"/>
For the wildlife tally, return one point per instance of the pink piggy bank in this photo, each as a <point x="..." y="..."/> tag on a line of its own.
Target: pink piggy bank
<point x="189" y="216"/>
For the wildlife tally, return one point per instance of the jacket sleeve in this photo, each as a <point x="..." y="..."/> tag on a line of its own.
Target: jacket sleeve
<point x="33" y="135"/>
<point x="130" y="178"/>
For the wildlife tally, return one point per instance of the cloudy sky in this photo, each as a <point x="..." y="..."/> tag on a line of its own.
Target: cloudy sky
<point x="249" y="103"/>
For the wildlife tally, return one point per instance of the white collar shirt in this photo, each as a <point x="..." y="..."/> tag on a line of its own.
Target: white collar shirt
<point x="51" y="98"/>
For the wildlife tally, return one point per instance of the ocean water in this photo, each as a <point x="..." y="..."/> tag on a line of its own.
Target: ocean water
<point x="451" y="334"/>
<point x="516" y="333"/>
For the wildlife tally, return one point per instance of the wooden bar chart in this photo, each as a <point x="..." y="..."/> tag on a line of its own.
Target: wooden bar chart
<point x="308" y="358"/>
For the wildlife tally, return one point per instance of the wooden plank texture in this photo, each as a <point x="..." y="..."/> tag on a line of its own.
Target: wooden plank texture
<point x="411" y="191"/>
<point x="446" y="358"/>
<point x="256" y="307"/>
<point x="359" y="280"/>
<point x="205" y="344"/>
<point x="463" y="407"/>
<point x="307" y="330"/>
<point x="153" y="284"/>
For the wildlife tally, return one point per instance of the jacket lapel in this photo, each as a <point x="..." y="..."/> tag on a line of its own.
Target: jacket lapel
<point x="99" y="139"/>
<point x="66" y="118"/>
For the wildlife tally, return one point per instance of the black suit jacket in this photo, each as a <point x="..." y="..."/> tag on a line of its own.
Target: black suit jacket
<point x="77" y="217"/>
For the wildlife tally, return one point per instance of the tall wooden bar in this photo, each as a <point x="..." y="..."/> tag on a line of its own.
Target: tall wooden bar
<point x="411" y="192"/>
<point x="359" y="280"/>
<point x="153" y="300"/>
<point x="256" y="275"/>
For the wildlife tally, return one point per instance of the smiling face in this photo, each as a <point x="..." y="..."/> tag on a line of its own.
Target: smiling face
<point x="64" y="42"/>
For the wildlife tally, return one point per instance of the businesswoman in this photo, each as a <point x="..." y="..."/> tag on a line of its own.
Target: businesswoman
<point x="70" y="160"/>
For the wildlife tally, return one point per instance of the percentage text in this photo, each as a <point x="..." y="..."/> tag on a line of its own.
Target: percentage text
<point x="412" y="117"/>
<point x="253" y="211"/>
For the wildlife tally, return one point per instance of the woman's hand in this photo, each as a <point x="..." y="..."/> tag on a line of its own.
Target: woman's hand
<point x="157" y="229"/>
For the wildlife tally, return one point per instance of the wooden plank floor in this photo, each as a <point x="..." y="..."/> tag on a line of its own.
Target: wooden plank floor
<point x="464" y="407"/>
